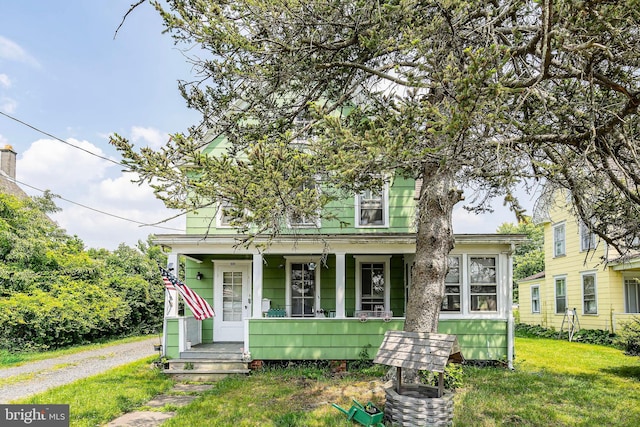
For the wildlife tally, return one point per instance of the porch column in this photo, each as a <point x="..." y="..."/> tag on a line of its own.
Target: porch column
<point x="171" y="297"/>
<point x="340" y="284"/>
<point x="257" y="285"/>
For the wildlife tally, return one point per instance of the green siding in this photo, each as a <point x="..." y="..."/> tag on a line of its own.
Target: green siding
<point x="401" y="215"/>
<point x="333" y="339"/>
<point x="171" y="345"/>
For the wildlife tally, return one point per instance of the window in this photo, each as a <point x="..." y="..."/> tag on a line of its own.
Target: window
<point x="482" y="279"/>
<point x="587" y="238"/>
<point x="372" y="208"/>
<point x="451" y="301"/>
<point x="589" y="300"/>
<point x="561" y="295"/>
<point x="299" y="218"/>
<point x="372" y="284"/>
<point x="558" y="240"/>
<point x="232" y="296"/>
<point x="303" y="289"/>
<point x="632" y="295"/>
<point x="535" y="299"/>
<point x="225" y="216"/>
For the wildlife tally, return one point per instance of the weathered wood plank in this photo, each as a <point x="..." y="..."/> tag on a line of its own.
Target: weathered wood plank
<point x="415" y="350"/>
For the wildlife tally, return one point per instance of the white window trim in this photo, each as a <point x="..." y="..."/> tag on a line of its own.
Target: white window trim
<point x="592" y="238"/>
<point x="564" y="241"/>
<point x="555" y="295"/>
<point x="539" y="298"/>
<point x="301" y="260"/>
<point x="624" y="290"/>
<point x="460" y="284"/>
<point x="364" y="259"/>
<point x="220" y="217"/>
<point x="385" y="210"/>
<point x="497" y="284"/>
<point x="317" y="221"/>
<point x="595" y="290"/>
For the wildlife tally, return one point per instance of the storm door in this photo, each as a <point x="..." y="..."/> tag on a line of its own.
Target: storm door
<point x="232" y="300"/>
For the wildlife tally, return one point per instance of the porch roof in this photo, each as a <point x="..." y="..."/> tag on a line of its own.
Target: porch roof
<point x="306" y="243"/>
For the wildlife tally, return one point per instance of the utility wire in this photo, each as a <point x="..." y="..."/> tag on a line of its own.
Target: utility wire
<point x="60" y="139"/>
<point x="94" y="209"/>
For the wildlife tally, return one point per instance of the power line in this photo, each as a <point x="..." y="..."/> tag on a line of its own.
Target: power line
<point x="60" y="139"/>
<point x="96" y="210"/>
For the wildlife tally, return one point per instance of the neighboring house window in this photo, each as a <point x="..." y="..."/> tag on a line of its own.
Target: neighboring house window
<point x="559" y="240"/>
<point x="303" y="289"/>
<point x="372" y="208"/>
<point x="482" y="278"/>
<point x="224" y="216"/>
<point x="632" y="295"/>
<point x="452" y="285"/>
<point x="587" y="238"/>
<point x="589" y="300"/>
<point x="302" y="219"/>
<point x="372" y="281"/>
<point x="561" y="295"/>
<point x="535" y="299"/>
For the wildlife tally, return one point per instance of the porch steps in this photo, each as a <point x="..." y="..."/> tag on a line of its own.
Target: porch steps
<point x="207" y="363"/>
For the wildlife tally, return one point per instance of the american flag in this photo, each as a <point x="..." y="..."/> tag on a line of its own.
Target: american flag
<point x="199" y="306"/>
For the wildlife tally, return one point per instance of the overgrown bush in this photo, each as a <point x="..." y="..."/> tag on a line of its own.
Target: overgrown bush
<point x="628" y="337"/>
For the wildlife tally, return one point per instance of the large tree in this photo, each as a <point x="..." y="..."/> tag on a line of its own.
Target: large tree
<point x="482" y="96"/>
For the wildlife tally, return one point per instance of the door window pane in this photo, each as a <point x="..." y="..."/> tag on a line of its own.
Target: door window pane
<point x="232" y="296"/>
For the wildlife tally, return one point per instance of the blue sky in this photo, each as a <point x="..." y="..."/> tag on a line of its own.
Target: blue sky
<point x="62" y="72"/>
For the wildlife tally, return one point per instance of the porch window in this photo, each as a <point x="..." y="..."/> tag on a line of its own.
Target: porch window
<point x="589" y="299"/>
<point x="561" y="295"/>
<point x="303" y="289"/>
<point x="559" y="240"/>
<point x="587" y="238"/>
<point x="484" y="287"/>
<point x="372" y="284"/>
<point x="632" y="295"/>
<point x="372" y="208"/>
<point x="535" y="299"/>
<point x="452" y="285"/>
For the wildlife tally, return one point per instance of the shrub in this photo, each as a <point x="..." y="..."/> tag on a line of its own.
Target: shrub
<point x="628" y="337"/>
<point x="588" y="336"/>
<point x="453" y="377"/>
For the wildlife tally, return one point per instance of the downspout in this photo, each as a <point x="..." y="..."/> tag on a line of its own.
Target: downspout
<point x="510" y="320"/>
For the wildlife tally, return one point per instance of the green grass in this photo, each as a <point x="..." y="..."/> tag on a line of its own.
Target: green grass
<point x="99" y="399"/>
<point x="9" y="359"/>
<point x="555" y="383"/>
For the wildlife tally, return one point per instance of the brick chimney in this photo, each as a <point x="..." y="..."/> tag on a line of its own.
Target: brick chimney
<point x="8" y="161"/>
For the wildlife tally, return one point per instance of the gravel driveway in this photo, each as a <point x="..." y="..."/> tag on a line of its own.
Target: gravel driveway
<point x="45" y="374"/>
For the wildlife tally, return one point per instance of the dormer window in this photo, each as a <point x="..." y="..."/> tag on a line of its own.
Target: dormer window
<point x="372" y="208"/>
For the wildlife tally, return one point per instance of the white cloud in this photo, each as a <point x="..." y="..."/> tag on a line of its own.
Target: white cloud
<point x="14" y="52"/>
<point x="8" y="105"/>
<point x="5" y="81"/>
<point x="153" y="137"/>
<point x="60" y="167"/>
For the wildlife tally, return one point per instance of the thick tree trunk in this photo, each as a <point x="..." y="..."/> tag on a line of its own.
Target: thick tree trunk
<point x="434" y="241"/>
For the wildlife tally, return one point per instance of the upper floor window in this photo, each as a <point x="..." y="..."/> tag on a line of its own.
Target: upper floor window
<point x="587" y="238"/>
<point x="535" y="299"/>
<point x="372" y="208"/>
<point x="589" y="298"/>
<point x="224" y="215"/>
<point x="452" y="285"/>
<point x="305" y="219"/>
<point x="561" y="295"/>
<point x="483" y="282"/>
<point x="559" y="240"/>
<point x="632" y="294"/>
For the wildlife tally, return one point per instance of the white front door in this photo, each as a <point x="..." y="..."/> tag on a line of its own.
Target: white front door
<point x="232" y="299"/>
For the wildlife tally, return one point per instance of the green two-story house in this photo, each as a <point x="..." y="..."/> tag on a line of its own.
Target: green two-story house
<point x="323" y="291"/>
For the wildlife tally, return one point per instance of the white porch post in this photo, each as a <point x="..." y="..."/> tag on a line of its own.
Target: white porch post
<point x="171" y="297"/>
<point x="257" y="285"/>
<point x="340" y="284"/>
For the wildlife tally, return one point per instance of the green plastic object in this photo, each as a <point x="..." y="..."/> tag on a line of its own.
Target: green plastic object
<point x="368" y="415"/>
